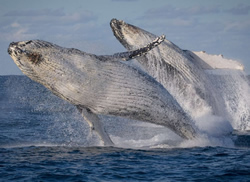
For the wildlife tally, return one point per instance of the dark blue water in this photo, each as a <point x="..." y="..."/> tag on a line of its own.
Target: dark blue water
<point x="43" y="138"/>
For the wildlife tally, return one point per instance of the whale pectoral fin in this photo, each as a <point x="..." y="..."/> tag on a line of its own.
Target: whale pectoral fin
<point x="96" y="125"/>
<point x="144" y="50"/>
<point x="126" y="56"/>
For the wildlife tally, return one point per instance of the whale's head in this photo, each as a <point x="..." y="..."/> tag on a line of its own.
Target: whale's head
<point x="24" y="56"/>
<point x="41" y="61"/>
<point x="29" y="56"/>
<point x="64" y="71"/>
<point x="130" y="36"/>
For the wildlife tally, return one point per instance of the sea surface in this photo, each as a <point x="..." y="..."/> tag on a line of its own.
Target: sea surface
<point x="43" y="138"/>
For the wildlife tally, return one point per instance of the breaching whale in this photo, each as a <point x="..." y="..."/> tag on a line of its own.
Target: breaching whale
<point x="173" y="68"/>
<point x="102" y="85"/>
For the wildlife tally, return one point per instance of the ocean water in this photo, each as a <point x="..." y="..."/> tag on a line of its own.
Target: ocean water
<point x="43" y="138"/>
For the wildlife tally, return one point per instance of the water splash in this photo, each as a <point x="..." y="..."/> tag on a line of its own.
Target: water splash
<point x="235" y="91"/>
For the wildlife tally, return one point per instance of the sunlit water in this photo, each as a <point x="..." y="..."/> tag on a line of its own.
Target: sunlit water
<point x="43" y="138"/>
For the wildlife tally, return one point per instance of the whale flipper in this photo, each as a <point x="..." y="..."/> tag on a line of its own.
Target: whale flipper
<point x="96" y="125"/>
<point x="126" y="56"/>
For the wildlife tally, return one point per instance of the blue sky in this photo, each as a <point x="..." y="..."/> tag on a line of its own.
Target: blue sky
<point x="216" y="26"/>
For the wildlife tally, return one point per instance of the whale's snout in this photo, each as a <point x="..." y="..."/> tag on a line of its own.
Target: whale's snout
<point x="18" y="47"/>
<point x="114" y="23"/>
<point x="14" y="49"/>
<point x="13" y="44"/>
<point x="10" y="50"/>
<point x="116" y="26"/>
<point x="26" y="52"/>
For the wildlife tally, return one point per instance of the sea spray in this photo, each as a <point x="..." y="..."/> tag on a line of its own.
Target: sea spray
<point x="235" y="91"/>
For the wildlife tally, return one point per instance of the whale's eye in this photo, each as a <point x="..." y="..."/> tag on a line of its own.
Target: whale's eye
<point x="35" y="58"/>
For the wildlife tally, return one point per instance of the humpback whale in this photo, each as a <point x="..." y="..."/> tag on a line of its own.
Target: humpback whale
<point x="102" y="85"/>
<point x="173" y="68"/>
